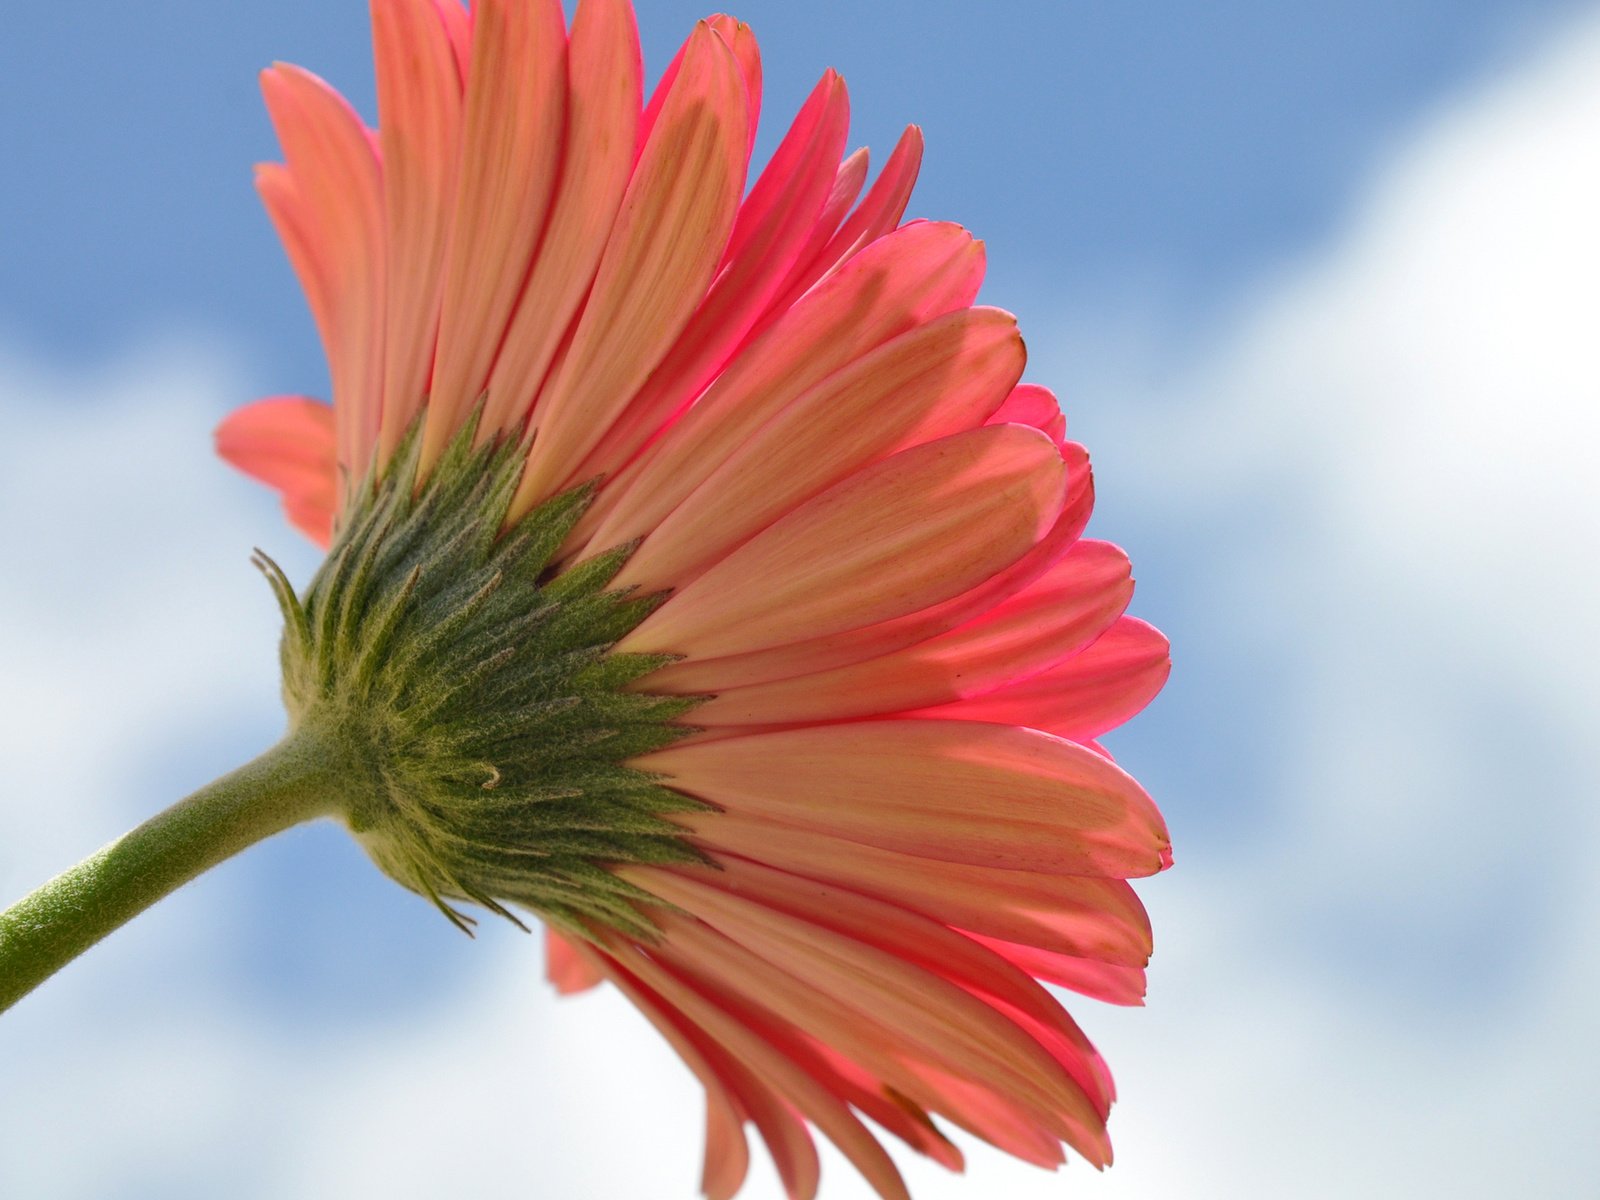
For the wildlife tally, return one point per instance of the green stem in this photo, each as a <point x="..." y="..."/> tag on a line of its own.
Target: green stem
<point x="39" y="934"/>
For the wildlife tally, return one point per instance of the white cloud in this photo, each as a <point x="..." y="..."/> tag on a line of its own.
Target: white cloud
<point x="1380" y="990"/>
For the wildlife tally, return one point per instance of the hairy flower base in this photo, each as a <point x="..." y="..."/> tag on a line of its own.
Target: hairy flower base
<point x="481" y="717"/>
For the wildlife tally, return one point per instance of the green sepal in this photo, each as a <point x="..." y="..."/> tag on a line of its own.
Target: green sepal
<point x="468" y="677"/>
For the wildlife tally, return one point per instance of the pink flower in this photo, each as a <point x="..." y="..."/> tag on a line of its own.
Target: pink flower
<point x="866" y="530"/>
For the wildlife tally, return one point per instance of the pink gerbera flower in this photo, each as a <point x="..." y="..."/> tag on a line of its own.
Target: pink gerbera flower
<point x="704" y="581"/>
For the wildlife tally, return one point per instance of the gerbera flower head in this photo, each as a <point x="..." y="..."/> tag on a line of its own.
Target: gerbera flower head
<point x="703" y="581"/>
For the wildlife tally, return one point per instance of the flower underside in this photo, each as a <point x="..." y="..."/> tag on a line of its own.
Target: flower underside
<point x="467" y="684"/>
<point x="748" y="454"/>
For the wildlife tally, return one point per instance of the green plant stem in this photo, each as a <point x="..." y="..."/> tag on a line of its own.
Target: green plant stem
<point x="294" y="781"/>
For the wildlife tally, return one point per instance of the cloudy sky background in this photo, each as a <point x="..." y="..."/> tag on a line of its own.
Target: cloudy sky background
<point x="1321" y="294"/>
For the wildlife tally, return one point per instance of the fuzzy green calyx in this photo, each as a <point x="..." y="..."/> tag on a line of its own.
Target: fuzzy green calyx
<point x="482" y="720"/>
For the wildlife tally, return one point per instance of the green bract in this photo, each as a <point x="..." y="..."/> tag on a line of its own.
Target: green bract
<point x="482" y="721"/>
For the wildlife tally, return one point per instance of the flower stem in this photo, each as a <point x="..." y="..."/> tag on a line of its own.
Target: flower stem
<point x="294" y="781"/>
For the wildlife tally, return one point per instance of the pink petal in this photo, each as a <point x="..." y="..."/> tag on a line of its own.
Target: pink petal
<point x="693" y="676"/>
<point x="1030" y="404"/>
<point x="938" y="379"/>
<point x="567" y="969"/>
<point x="918" y="1032"/>
<point x="419" y="105"/>
<point x="1071" y="914"/>
<point x="847" y="186"/>
<point x="458" y="24"/>
<point x="741" y="895"/>
<point x="826" y="112"/>
<point x="668" y="238"/>
<point x="879" y="213"/>
<point x="511" y="151"/>
<point x="771" y="229"/>
<point x="604" y="73"/>
<point x="1114" y="983"/>
<point x="917" y="274"/>
<point x="858" y="645"/>
<point x="815" y="1101"/>
<point x="1084" y="696"/>
<point x="287" y="442"/>
<point x="731" y="1092"/>
<point x="328" y="206"/>
<point x="990" y="795"/>
<point x="1051" y="619"/>
<point x="836" y="1074"/>
<point x="782" y="1127"/>
<point x="740" y="39"/>
<point x="864" y="1092"/>
<point x="898" y="536"/>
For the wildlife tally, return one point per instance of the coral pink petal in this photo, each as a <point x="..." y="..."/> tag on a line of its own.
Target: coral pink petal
<point x="515" y="114"/>
<point x="857" y="645"/>
<point x="904" y="533"/>
<point x="802" y="1090"/>
<point x="727" y="1153"/>
<point x="879" y="213"/>
<point x="419" y="103"/>
<point x="847" y="184"/>
<point x="782" y="1128"/>
<point x="287" y="442"/>
<point x="669" y="235"/>
<point x="915" y="787"/>
<point x="884" y="205"/>
<point x="724" y="967"/>
<point x="941" y="378"/>
<point x="658" y="97"/>
<point x="1052" y="618"/>
<point x="1071" y="914"/>
<point x="771" y="229"/>
<point x="331" y="198"/>
<point x="458" y="24"/>
<point x="568" y="970"/>
<point x="822" y="121"/>
<point x="905" y="280"/>
<point x="1086" y="695"/>
<point x="1114" y="983"/>
<point x="851" y="1083"/>
<point x="741" y="40"/>
<point x="860" y="1089"/>
<point x="786" y="905"/>
<point x="305" y="244"/>
<point x="727" y="1160"/>
<point x="1030" y="404"/>
<point x="837" y="1075"/>
<point x="604" y="72"/>
<point x="893" y="1016"/>
<point x="979" y="1110"/>
<point x="772" y="999"/>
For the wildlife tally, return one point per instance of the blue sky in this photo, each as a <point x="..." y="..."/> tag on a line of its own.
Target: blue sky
<point x="1177" y="151"/>
<point x="1317" y="288"/>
